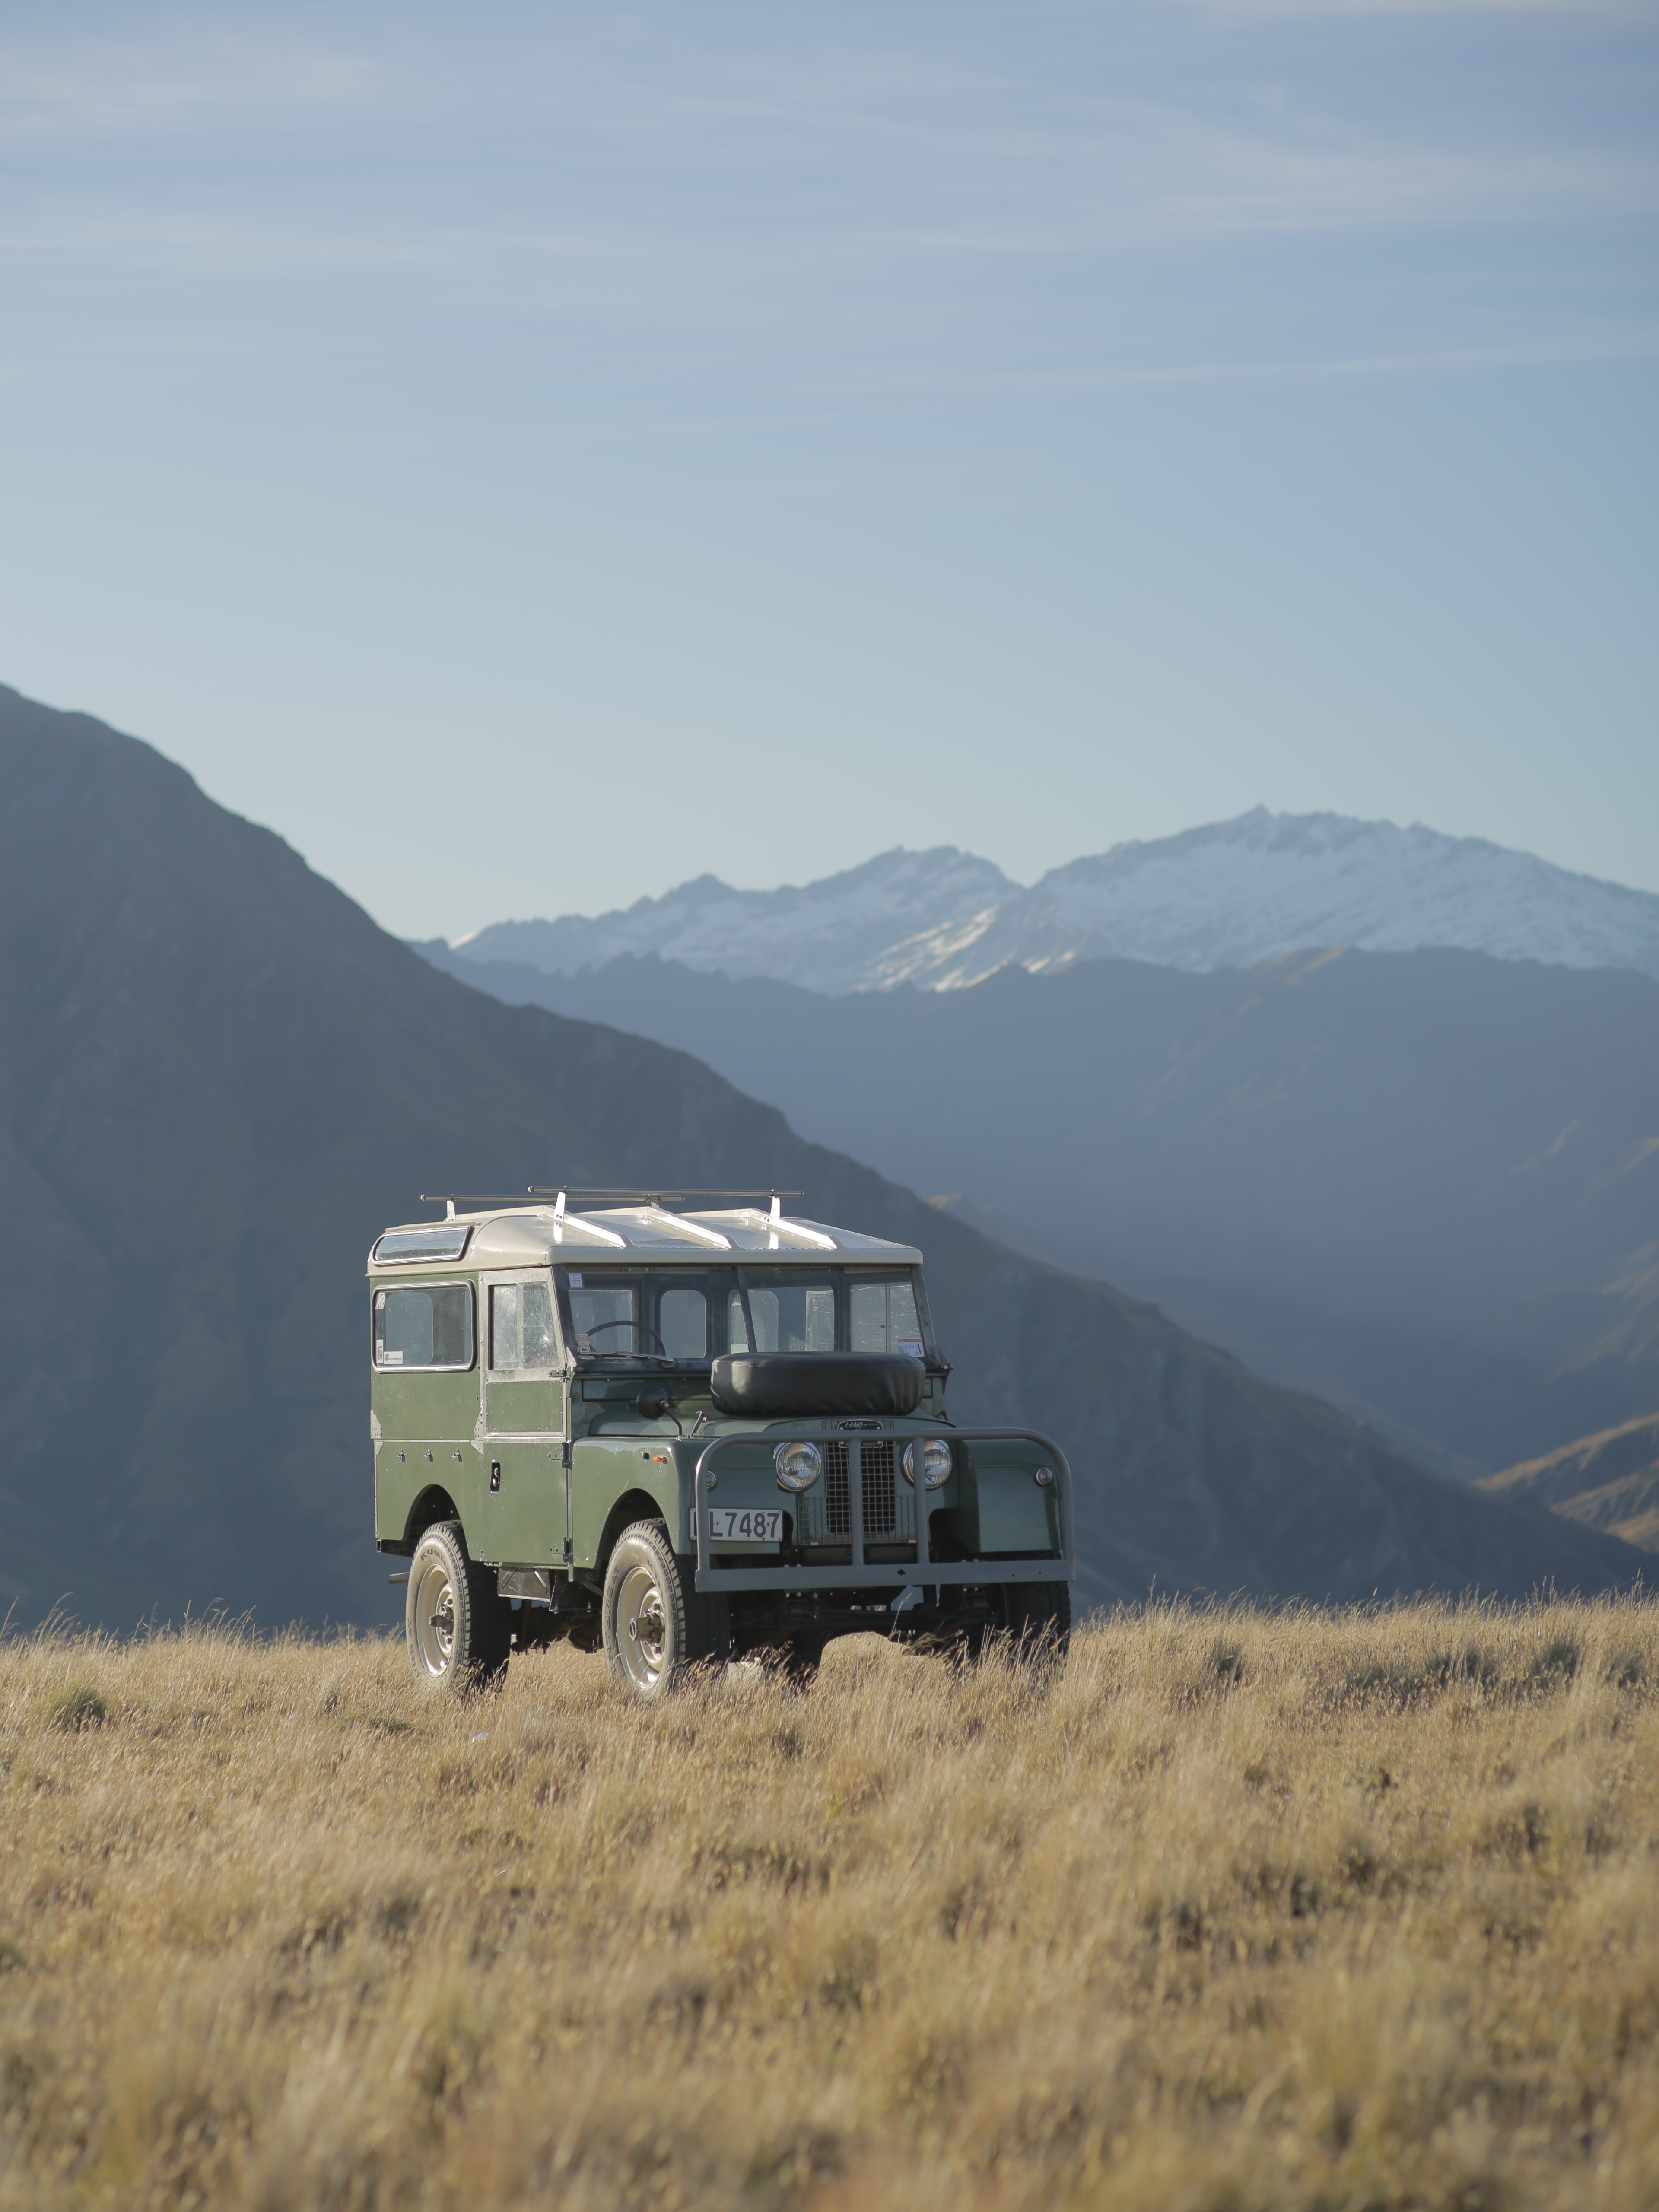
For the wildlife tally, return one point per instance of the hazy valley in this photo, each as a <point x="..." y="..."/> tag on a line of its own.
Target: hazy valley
<point x="1424" y="1185"/>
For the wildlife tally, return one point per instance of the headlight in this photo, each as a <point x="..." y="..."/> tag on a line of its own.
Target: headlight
<point x="798" y="1465"/>
<point x="935" y="1463"/>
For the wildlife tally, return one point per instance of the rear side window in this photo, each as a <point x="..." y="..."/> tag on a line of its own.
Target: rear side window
<point x="427" y="1326"/>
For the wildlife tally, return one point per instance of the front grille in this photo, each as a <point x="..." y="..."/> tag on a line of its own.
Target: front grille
<point x="880" y="1506"/>
<point x="824" y="1516"/>
<point x="838" y="1507"/>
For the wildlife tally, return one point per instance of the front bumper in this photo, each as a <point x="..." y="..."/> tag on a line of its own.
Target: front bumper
<point x="864" y="1574"/>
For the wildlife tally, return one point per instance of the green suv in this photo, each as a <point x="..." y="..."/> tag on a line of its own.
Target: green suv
<point x="688" y="1435"/>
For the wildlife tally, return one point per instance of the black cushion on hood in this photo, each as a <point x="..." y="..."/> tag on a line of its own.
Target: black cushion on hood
<point x="772" y="1385"/>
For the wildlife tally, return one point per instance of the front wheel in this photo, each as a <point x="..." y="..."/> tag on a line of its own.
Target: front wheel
<point x="457" y="1627"/>
<point x="655" y="1624"/>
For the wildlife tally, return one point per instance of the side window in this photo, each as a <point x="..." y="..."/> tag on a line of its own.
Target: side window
<point x="883" y="1317"/>
<point x="504" y="1332"/>
<point x="903" y="1326"/>
<point x="869" y="1303"/>
<point x="428" y="1327"/>
<point x="539" y="1345"/>
<point x="521" y="1326"/>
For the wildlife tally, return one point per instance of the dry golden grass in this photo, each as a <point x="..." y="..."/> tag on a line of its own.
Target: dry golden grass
<point x="1314" y="1909"/>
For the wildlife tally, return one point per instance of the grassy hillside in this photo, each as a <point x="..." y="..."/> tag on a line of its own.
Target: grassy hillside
<point x="219" y="1080"/>
<point x="1610" y="1482"/>
<point x="1243" y="1912"/>
<point x="1424" y="1185"/>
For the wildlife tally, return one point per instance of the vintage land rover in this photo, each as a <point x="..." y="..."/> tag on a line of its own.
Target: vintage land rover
<point x="687" y="1435"/>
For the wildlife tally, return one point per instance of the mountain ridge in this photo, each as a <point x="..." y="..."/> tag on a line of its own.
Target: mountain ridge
<point x="1231" y="894"/>
<point x="1609" y="1482"/>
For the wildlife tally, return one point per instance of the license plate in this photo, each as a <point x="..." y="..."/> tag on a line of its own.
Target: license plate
<point x="736" y="1524"/>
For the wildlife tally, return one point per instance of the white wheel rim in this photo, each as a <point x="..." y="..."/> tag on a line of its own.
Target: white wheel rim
<point x="434" y="1617"/>
<point x="641" y="1629"/>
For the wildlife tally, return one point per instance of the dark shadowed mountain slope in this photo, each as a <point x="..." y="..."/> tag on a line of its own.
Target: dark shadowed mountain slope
<point x="1423" y="1184"/>
<point x="219" y="1079"/>
<point x="1609" y="1482"/>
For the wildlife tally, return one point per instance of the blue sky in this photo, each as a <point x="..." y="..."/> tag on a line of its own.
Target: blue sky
<point x="529" y="454"/>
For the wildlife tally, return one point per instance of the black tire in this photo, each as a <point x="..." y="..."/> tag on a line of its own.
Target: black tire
<point x="1037" y="1617"/>
<point x="458" y="1630"/>
<point x="655" y="1624"/>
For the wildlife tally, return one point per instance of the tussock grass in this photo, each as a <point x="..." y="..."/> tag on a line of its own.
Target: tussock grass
<point x="1243" y="1911"/>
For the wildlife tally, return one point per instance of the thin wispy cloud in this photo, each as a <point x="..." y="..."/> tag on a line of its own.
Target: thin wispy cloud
<point x="88" y="88"/>
<point x="1634" y="345"/>
<point x="664" y="156"/>
<point x="1595" y="12"/>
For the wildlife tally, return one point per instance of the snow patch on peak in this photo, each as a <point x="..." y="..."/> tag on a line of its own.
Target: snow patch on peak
<point x="825" y="935"/>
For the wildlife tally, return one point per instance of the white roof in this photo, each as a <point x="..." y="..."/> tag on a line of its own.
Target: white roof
<point x="536" y="1236"/>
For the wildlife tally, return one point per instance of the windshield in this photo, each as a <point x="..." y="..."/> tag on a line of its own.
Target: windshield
<point x="686" y="1316"/>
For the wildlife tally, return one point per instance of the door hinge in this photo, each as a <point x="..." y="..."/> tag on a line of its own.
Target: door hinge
<point x="566" y="1551"/>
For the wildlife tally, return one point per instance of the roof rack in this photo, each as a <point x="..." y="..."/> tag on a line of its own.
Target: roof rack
<point x="655" y="1196"/>
<point x="661" y="1197"/>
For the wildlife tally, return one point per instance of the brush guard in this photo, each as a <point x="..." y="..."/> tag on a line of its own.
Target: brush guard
<point x="862" y="1574"/>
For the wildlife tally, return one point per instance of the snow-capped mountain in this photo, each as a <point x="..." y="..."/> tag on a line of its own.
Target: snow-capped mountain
<point x="1239" y="892"/>
<point x="1229" y="895"/>
<point x="832" y="935"/>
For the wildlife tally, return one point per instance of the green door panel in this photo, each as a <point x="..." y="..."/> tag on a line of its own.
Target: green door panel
<point x="519" y="1519"/>
<point x="525" y="1408"/>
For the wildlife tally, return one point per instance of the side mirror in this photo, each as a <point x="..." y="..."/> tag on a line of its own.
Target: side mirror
<point x="654" y="1404"/>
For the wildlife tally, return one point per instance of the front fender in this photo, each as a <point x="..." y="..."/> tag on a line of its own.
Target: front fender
<point x="641" y="1475"/>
